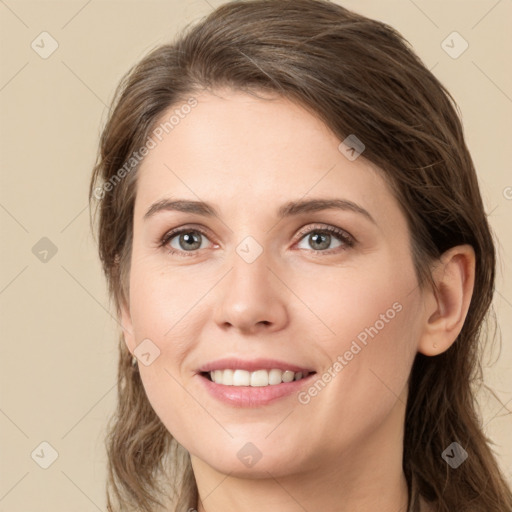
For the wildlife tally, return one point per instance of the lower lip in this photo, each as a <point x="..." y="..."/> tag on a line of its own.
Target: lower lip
<point x="249" y="396"/>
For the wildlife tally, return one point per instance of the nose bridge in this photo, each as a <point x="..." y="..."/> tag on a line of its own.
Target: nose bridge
<point x="250" y="296"/>
<point x="250" y="269"/>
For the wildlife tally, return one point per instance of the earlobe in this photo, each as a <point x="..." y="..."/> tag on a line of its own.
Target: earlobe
<point x="126" y="324"/>
<point x="447" y="306"/>
<point x="124" y="314"/>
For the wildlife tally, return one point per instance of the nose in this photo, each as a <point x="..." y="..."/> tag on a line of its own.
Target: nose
<point x="251" y="299"/>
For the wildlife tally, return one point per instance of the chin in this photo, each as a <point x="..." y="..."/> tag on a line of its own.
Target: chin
<point x="253" y="457"/>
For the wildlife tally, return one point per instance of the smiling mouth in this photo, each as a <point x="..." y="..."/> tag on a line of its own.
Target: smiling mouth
<point x="258" y="378"/>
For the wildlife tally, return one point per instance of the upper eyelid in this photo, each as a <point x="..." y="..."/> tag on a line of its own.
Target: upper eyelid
<point x="327" y="227"/>
<point x="171" y="233"/>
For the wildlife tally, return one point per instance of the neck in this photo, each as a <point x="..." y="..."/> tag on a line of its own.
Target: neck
<point x="366" y="477"/>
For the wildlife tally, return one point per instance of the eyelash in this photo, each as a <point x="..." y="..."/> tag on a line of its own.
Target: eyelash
<point x="342" y="236"/>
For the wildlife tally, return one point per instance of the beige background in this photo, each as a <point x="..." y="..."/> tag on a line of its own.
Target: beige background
<point x="57" y="366"/>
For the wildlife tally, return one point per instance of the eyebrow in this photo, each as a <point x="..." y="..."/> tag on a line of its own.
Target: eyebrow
<point x="289" y="209"/>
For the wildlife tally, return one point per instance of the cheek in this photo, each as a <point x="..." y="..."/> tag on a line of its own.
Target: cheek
<point x="374" y="316"/>
<point x="160" y="316"/>
<point x="159" y="302"/>
<point x="364" y="304"/>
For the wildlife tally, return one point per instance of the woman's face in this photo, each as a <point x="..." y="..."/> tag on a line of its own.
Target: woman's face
<point x="262" y="284"/>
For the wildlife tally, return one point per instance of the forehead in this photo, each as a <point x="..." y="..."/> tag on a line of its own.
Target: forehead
<point x="251" y="151"/>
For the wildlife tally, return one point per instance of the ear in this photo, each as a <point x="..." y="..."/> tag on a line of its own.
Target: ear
<point x="447" y="306"/>
<point x="126" y="324"/>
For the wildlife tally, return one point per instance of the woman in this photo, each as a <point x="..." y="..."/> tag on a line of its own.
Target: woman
<point x="293" y="235"/>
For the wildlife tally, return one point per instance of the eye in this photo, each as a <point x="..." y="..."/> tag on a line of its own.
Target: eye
<point x="187" y="241"/>
<point x="321" y="238"/>
<point x="184" y="240"/>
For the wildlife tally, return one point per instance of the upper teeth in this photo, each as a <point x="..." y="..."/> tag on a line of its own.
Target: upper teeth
<point x="257" y="378"/>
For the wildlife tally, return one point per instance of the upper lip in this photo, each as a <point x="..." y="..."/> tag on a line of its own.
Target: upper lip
<point x="251" y="365"/>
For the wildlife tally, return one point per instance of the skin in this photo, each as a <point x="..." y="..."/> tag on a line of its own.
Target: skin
<point x="343" y="449"/>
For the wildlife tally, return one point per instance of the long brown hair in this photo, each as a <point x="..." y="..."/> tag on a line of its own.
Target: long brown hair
<point x="360" y="77"/>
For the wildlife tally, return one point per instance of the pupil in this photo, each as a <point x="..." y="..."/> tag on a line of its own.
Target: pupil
<point x="318" y="236"/>
<point x="189" y="240"/>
